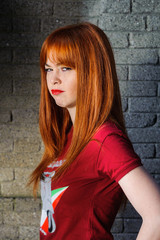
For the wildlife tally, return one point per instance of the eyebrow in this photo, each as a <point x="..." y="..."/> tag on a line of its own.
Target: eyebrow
<point x="47" y="65"/>
<point x="57" y="64"/>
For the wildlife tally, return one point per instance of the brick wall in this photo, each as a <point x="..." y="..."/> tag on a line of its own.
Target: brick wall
<point x="133" y="27"/>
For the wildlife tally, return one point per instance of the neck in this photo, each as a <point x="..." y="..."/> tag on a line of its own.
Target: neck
<point x="72" y="113"/>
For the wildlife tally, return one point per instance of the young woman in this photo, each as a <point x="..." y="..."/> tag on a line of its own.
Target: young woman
<point x="88" y="163"/>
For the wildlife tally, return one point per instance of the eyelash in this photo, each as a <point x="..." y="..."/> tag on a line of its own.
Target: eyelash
<point x="47" y="69"/>
<point x="64" y="69"/>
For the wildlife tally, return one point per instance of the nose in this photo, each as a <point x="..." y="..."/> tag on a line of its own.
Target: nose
<point x="55" y="78"/>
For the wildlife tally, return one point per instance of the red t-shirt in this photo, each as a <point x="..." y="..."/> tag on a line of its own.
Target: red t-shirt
<point x="87" y="198"/>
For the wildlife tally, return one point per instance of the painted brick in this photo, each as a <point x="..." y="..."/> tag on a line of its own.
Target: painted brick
<point x="6" y="174"/>
<point x="124" y="104"/>
<point x="12" y="160"/>
<point x="157" y="150"/>
<point x="118" y="40"/>
<point x="24" y="130"/>
<point x="25" y="115"/>
<point x="51" y="23"/>
<point x="4" y="132"/>
<point x="19" y="102"/>
<point x="42" y="147"/>
<point x="65" y="8"/>
<point x="6" y="7"/>
<point x="1" y="218"/>
<point x="121" y="22"/>
<point x="140" y="119"/>
<point x="125" y="236"/>
<point x="19" y="130"/>
<point x="158" y="120"/>
<point x="122" y="72"/>
<point x="26" y="24"/>
<point x="143" y="6"/>
<point x="5" y="56"/>
<point x="6" y="79"/>
<point x="17" y="71"/>
<point x="152" y="165"/>
<point x="157" y="6"/>
<point x="159" y="89"/>
<point x="27" y="87"/>
<point x="144" y="135"/>
<point x="153" y="23"/>
<point x="135" y="88"/>
<point x="6" y="145"/>
<point x="132" y="225"/>
<point x="90" y="8"/>
<point x="27" y="233"/>
<point x="5" y="117"/>
<point x="22" y="173"/>
<point x="17" y="188"/>
<point x="144" y="104"/>
<point x="6" y="204"/>
<point x="26" y="56"/>
<point x="129" y="210"/>
<point x="27" y="205"/>
<point x="157" y="179"/>
<point x="110" y="6"/>
<point x="136" y="56"/>
<point x="145" y="150"/>
<point x="5" y="85"/>
<point x="27" y="145"/>
<point x="22" y="39"/>
<point x="21" y="219"/>
<point x="9" y="232"/>
<point x="5" y="24"/>
<point x="32" y="8"/>
<point x="117" y="226"/>
<point x="26" y="72"/>
<point x="93" y="20"/>
<point x="145" y="73"/>
<point x="145" y="40"/>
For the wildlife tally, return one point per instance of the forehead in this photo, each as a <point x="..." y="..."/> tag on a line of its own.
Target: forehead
<point x="50" y="62"/>
<point x="51" y="57"/>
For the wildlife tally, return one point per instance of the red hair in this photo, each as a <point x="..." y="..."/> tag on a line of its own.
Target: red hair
<point x="85" y="48"/>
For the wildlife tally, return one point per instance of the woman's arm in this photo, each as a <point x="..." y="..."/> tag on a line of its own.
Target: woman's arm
<point x="144" y="195"/>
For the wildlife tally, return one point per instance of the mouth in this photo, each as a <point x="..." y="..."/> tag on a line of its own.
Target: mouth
<point x="56" y="91"/>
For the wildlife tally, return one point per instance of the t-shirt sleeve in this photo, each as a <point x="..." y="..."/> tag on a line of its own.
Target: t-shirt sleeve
<point x="117" y="157"/>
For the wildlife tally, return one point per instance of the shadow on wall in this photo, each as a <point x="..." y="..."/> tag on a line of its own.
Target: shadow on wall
<point x="24" y="26"/>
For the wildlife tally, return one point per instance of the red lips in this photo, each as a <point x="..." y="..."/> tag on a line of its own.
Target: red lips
<point x="56" y="91"/>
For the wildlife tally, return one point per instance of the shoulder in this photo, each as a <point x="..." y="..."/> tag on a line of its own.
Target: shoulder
<point x="114" y="141"/>
<point x="108" y="129"/>
<point x="117" y="156"/>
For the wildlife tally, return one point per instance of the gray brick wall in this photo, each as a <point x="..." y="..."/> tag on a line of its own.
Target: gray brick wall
<point x="133" y="27"/>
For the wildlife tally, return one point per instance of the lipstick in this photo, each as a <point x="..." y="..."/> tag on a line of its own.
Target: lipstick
<point x="56" y="91"/>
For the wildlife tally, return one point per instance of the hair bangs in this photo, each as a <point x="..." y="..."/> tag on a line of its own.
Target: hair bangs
<point x="62" y="50"/>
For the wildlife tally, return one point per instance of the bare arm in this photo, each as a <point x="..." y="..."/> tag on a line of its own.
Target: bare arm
<point x="144" y="195"/>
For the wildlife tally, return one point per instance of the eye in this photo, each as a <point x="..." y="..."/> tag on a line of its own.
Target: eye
<point x="48" y="69"/>
<point x="64" y="69"/>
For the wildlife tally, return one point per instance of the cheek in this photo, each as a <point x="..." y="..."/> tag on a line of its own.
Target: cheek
<point x="47" y="83"/>
<point x="74" y="86"/>
<point x="74" y="90"/>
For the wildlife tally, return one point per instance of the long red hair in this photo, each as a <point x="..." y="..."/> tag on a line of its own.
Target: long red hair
<point x="85" y="48"/>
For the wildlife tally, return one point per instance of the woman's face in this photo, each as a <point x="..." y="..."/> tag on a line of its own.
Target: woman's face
<point x="62" y="84"/>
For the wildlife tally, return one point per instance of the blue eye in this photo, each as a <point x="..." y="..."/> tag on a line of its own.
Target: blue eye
<point x="66" y="68"/>
<point x="48" y="69"/>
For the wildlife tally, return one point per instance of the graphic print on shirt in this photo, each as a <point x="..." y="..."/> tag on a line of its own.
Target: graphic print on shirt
<point x="47" y="220"/>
